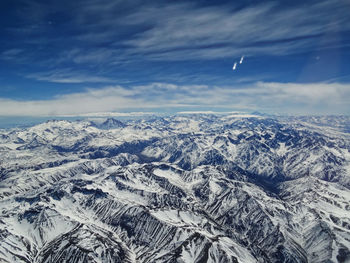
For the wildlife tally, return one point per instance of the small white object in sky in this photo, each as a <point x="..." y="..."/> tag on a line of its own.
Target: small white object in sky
<point x="234" y="66"/>
<point x="241" y="61"/>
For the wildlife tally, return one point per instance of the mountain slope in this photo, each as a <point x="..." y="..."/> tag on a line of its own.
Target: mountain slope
<point x="199" y="188"/>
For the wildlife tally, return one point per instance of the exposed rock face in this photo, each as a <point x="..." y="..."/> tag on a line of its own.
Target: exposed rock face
<point x="200" y="188"/>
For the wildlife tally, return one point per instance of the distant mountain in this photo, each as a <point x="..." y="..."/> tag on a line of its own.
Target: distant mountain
<point x="109" y="123"/>
<point x="189" y="188"/>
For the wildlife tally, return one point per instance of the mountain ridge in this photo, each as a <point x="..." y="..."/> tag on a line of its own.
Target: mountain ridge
<point x="200" y="188"/>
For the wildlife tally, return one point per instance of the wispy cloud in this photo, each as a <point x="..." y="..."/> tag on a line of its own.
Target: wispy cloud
<point x="183" y="31"/>
<point x="65" y="76"/>
<point x="107" y="42"/>
<point x="11" y="53"/>
<point x="208" y="32"/>
<point x="298" y="98"/>
<point x="110" y="114"/>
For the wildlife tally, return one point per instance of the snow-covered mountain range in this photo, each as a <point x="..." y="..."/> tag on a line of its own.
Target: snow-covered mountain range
<point x="190" y="188"/>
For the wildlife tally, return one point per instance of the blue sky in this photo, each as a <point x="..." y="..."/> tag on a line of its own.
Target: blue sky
<point x="65" y="58"/>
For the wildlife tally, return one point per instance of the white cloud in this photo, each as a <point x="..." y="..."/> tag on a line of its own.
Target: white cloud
<point x="107" y="99"/>
<point x="311" y="93"/>
<point x="322" y="98"/>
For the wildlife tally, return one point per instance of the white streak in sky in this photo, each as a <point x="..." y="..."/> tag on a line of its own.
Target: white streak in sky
<point x="241" y="61"/>
<point x="234" y="66"/>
